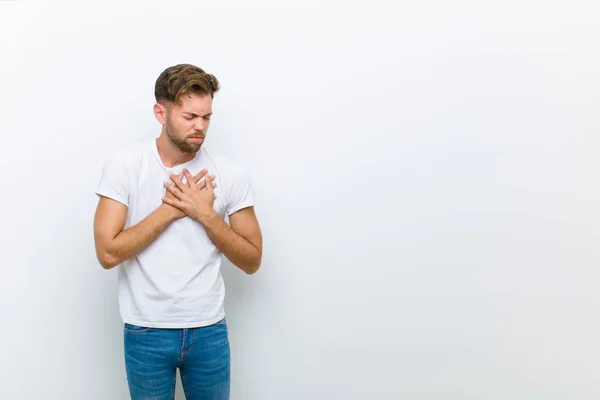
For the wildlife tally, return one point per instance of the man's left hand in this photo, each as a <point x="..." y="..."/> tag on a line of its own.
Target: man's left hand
<point x="196" y="202"/>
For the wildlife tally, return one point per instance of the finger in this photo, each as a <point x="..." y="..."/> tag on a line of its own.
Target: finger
<point x="202" y="183"/>
<point x="189" y="178"/>
<point x="172" y="188"/>
<point x="182" y="186"/>
<point x="200" y="175"/>
<point x="173" y="202"/>
<point x="209" y="188"/>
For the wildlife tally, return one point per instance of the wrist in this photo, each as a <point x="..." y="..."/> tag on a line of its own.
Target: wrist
<point x="208" y="217"/>
<point x="170" y="212"/>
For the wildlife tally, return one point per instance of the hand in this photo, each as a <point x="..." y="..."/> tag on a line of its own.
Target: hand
<point x="177" y="212"/>
<point x="196" y="200"/>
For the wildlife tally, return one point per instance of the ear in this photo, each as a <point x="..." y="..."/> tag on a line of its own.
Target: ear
<point x="160" y="112"/>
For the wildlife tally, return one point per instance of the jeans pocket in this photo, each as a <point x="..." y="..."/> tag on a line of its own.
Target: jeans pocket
<point x="129" y="328"/>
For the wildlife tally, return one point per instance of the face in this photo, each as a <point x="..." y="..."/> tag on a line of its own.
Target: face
<point x="186" y="125"/>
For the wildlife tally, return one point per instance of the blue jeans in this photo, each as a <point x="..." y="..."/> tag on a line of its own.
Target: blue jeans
<point x="152" y="356"/>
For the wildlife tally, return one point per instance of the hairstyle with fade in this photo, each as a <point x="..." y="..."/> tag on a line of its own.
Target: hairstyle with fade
<point x="181" y="79"/>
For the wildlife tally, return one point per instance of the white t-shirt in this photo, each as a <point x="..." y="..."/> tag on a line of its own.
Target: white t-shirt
<point x="176" y="281"/>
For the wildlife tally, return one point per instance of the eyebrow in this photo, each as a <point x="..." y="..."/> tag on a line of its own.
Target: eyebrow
<point x="196" y="115"/>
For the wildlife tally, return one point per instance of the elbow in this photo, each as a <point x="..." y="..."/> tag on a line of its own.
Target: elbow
<point x="252" y="270"/>
<point x="107" y="260"/>
<point x="253" y="267"/>
<point x="107" y="265"/>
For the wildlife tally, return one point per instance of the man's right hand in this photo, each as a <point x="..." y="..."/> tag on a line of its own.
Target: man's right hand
<point x="176" y="212"/>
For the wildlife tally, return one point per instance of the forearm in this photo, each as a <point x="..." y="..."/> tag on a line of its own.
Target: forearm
<point x="236" y="248"/>
<point x="131" y="241"/>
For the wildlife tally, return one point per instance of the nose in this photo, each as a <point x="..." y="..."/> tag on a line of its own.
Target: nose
<point x="200" y="126"/>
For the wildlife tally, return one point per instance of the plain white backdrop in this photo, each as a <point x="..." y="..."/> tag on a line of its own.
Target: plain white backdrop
<point x="425" y="177"/>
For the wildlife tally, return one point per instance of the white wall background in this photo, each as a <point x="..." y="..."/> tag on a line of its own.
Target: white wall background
<point x="426" y="178"/>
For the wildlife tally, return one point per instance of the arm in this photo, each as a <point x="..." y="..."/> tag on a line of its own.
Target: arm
<point x="115" y="245"/>
<point x="241" y="243"/>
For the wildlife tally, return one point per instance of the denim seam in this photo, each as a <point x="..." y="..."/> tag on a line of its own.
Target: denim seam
<point x="184" y="384"/>
<point x="185" y="350"/>
<point x="173" y="391"/>
<point x="137" y="332"/>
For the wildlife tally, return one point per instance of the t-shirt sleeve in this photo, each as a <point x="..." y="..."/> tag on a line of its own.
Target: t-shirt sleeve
<point x="240" y="191"/>
<point x="114" y="181"/>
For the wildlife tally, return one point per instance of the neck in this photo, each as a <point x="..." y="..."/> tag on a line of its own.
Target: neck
<point x="170" y="154"/>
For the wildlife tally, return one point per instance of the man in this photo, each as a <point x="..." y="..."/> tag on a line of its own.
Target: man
<point x="161" y="219"/>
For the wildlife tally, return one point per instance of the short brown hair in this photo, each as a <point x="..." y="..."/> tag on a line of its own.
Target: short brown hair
<point x="184" y="79"/>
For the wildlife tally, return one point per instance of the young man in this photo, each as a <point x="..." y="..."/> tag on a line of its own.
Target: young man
<point x="160" y="219"/>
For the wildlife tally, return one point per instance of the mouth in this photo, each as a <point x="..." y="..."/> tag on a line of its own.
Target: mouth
<point x="196" y="139"/>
